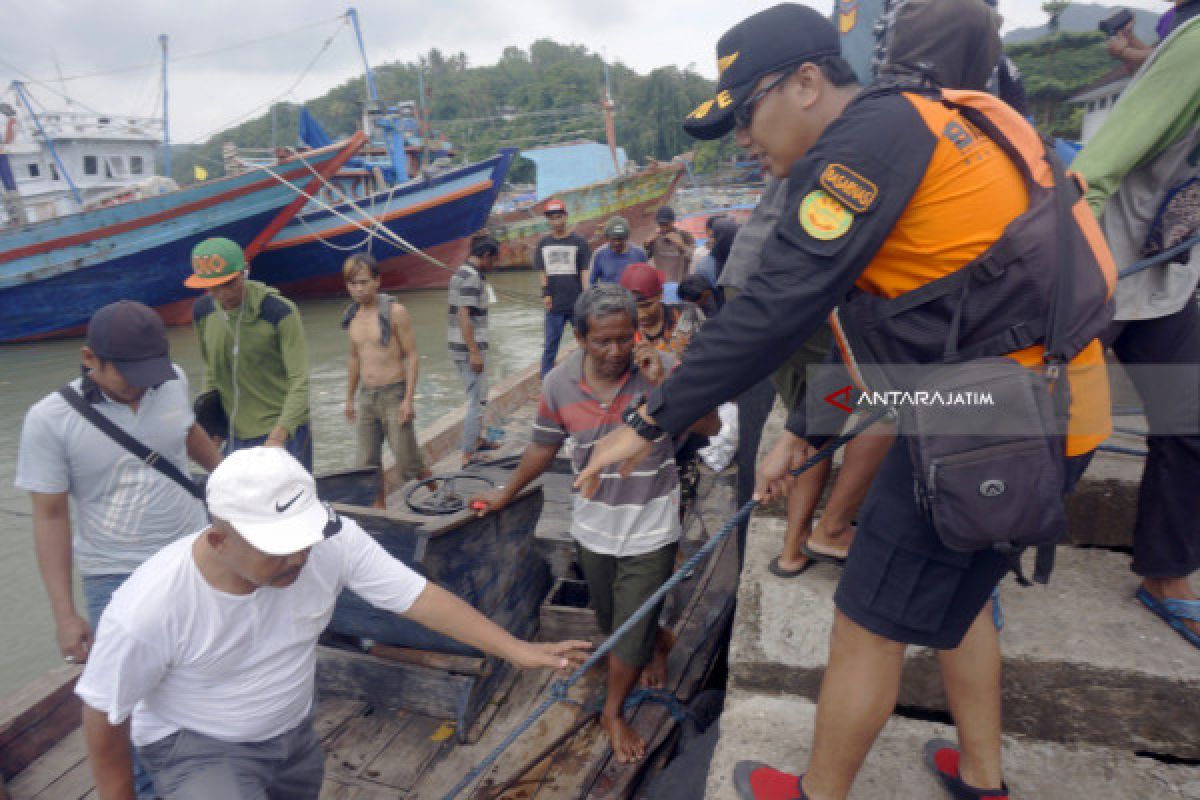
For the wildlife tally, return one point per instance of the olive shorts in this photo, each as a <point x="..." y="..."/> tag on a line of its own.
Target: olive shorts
<point x="377" y="422"/>
<point x="618" y="586"/>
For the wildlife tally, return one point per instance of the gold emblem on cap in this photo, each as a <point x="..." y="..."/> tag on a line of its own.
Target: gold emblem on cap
<point x="701" y="111"/>
<point x="725" y="62"/>
<point x="724" y="99"/>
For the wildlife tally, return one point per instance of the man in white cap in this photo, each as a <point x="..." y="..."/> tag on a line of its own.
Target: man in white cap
<point x="206" y="657"/>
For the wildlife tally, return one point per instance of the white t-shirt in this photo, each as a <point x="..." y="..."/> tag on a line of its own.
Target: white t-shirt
<point x="179" y="654"/>
<point x="124" y="511"/>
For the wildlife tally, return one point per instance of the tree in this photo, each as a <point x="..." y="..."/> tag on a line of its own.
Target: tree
<point x="1054" y="10"/>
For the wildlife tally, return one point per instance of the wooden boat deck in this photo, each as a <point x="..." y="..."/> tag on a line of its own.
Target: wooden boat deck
<point x="376" y="752"/>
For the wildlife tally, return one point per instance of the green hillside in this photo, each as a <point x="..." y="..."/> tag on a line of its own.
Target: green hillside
<point x="546" y="94"/>
<point x="1054" y="69"/>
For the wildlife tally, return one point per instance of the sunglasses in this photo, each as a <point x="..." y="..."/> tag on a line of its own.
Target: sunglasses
<point x="743" y="115"/>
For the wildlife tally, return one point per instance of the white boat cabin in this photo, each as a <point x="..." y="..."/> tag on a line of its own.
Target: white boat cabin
<point x="108" y="158"/>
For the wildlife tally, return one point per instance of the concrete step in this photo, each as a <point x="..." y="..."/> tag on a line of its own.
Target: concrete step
<point x="1084" y="661"/>
<point x="778" y="730"/>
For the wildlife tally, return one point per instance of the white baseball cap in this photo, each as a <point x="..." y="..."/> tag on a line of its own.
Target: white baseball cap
<point x="269" y="499"/>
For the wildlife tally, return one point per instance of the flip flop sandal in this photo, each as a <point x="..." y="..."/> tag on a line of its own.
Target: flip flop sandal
<point x="941" y="757"/>
<point x="824" y="558"/>
<point x="779" y="572"/>
<point x="754" y="780"/>
<point x="1174" y="612"/>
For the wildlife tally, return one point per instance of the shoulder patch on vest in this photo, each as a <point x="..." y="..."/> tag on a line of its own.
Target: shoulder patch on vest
<point x="202" y="308"/>
<point x="274" y="309"/>
<point x="822" y="217"/>
<point x="851" y="189"/>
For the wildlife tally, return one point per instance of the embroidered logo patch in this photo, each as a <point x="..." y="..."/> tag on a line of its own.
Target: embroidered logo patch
<point x="823" y="217"/>
<point x="853" y="190"/>
<point x="847" y="15"/>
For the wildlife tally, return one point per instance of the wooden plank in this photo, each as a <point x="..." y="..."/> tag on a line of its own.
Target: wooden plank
<point x="353" y="487"/>
<point x="387" y="684"/>
<point x="340" y="790"/>
<point x="462" y="665"/>
<point x="333" y="713"/>
<point x="37" y="716"/>
<point x="56" y="762"/>
<point x="464" y="561"/>
<point x="76" y="783"/>
<point x="359" y="742"/>
<point x="405" y="758"/>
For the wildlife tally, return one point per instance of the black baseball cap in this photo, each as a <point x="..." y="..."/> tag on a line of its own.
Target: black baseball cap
<point x="769" y="41"/>
<point x="664" y="214"/>
<point x="133" y="337"/>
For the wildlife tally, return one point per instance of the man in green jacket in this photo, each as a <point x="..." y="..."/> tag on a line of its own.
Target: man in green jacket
<point x="254" y="351"/>
<point x="1148" y="148"/>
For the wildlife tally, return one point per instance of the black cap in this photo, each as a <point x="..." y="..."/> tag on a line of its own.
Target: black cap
<point x="664" y="214"/>
<point x="133" y="337"/>
<point x="766" y="42"/>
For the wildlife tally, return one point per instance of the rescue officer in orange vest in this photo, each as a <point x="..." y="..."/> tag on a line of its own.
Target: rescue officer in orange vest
<point x="889" y="191"/>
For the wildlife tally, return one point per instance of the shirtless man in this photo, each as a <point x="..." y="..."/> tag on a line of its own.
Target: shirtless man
<point x="383" y="355"/>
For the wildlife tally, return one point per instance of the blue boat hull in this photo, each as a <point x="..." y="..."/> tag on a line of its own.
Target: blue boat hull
<point x="437" y="217"/>
<point x="54" y="275"/>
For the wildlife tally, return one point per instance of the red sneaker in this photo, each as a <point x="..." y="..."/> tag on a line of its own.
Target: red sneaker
<point x="756" y="781"/>
<point x="941" y="757"/>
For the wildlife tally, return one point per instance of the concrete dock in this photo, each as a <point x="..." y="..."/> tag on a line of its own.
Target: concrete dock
<point x="1102" y="700"/>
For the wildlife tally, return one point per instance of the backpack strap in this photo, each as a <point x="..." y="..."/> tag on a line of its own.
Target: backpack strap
<point x="150" y="458"/>
<point x="385" y="317"/>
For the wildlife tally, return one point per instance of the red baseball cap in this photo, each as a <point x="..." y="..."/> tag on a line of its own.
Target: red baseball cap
<point x="554" y="206"/>
<point x="643" y="280"/>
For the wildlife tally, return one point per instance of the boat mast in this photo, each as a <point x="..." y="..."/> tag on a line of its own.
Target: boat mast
<point x="19" y="88"/>
<point x="162" y="40"/>
<point x="373" y="92"/>
<point x="610" y="126"/>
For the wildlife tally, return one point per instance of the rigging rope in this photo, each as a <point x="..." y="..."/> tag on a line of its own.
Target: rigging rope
<point x="383" y="231"/>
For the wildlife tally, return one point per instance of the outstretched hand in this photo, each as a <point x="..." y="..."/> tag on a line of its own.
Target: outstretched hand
<point x="562" y="657"/>
<point x="488" y="502"/>
<point x="622" y="446"/>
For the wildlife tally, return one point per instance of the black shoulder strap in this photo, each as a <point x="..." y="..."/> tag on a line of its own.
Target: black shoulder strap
<point x="1061" y="306"/>
<point x="147" y="456"/>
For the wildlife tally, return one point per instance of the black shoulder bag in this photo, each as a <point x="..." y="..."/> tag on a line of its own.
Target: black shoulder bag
<point x="150" y="458"/>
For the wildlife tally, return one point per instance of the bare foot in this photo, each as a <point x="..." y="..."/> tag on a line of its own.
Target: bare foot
<point x="627" y="744"/>
<point x="654" y="676"/>
<point x="831" y="541"/>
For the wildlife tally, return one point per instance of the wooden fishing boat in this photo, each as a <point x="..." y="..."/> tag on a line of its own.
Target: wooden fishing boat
<point x="404" y="713"/>
<point x="56" y="273"/>
<point x="635" y="196"/>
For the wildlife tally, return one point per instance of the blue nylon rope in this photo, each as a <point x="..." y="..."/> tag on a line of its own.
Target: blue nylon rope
<point x="558" y="690"/>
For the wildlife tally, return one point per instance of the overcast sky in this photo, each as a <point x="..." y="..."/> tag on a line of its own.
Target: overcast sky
<point x="42" y="39"/>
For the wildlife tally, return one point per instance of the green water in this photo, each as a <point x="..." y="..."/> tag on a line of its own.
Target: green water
<point x="29" y="372"/>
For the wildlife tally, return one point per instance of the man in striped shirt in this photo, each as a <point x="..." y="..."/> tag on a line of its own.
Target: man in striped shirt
<point x="627" y="532"/>
<point x="467" y="336"/>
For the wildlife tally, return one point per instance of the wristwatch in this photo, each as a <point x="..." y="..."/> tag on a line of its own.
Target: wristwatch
<point x="647" y="430"/>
